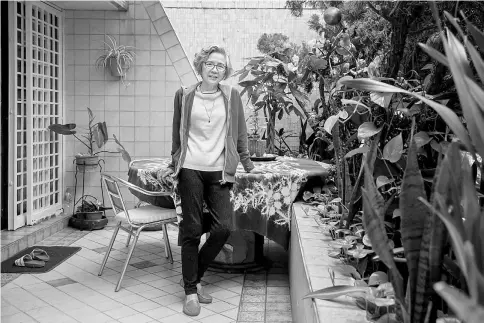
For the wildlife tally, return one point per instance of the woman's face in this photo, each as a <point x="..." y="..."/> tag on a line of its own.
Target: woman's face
<point x="213" y="70"/>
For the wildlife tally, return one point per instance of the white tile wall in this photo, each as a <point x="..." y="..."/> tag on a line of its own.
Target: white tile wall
<point x="139" y="114"/>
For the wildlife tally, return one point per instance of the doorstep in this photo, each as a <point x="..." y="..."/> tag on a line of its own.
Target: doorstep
<point x="28" y="236"/>
<point x="308" y="271"/>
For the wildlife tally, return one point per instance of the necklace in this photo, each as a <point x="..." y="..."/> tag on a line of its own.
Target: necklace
<point x="206" y="110"/>
<point x="200" y="90"/>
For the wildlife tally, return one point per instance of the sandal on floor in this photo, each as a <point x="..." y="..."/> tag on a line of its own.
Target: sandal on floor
<point x="27" y="261"/>
<point x="39" y="254"/>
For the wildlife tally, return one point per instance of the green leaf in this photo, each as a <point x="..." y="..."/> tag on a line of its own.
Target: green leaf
<point x="382" y="181"/>
<point x="244" y="75"/>
<point x="356" y="103"/>
<point x="336" y="291"/>
<point x="445" y="113"/>
<point x="280" y="114"/>
<point x="91" y="115"/>
<point x="317" y="63"/>
<point x="393" y="149"/>
<point x="413" y="218"/>
<point x="476" y="59"/>
<point x="247" y="83"/>
<point x="367" y="130"/>
<point x="356" y="151"/>
<point x="465" y="308"/>
<point x="63" y="129"/>
<point x="330" y="122"/>
<point x="476" y="34"/>
<point x="435" y="54"/>
<point x="125" y="155"/>
<point x="421" y="138"/>
<point x="382" y="99"/>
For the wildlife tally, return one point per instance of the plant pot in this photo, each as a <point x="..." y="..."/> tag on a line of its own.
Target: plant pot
<point x="257" y="147"/>
<point x="80" y="222"/>
<point x="113" y="67"/>
<point x="96" y="215"/>
<point x="87" y="163"/>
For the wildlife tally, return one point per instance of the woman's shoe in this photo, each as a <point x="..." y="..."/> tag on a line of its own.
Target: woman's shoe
<point x="202" y="297"/>
<point x="191" y="307"/>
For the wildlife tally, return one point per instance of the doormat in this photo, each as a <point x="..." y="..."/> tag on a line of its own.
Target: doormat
<point x="57" y="255"/>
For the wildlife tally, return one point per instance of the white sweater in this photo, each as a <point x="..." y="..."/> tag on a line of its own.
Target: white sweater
<point x="206" y="139"/>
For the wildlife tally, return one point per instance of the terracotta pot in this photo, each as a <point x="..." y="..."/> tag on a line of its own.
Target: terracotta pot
<point x="87" y="163"/>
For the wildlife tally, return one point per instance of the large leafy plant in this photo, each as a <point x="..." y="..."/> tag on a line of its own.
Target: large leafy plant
<point x="95" y="136"/>
<point x="453" y="209"/>
<point x="273" y="88"/>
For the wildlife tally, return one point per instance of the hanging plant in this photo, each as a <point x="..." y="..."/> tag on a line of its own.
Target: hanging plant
<point x="118" y="58"/>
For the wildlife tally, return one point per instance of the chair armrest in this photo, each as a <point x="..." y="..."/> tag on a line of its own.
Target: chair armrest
<point x="135" y="187"/>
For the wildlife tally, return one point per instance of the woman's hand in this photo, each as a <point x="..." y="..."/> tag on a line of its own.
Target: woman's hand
<point x="167" y="177"/>
<point x="256" y="170"/>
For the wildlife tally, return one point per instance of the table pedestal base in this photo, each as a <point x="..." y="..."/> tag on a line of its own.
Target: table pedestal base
<point x="243" y="252"/>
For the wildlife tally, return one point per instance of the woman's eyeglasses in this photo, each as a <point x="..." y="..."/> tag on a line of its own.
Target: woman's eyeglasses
<point x="210" y="66"/>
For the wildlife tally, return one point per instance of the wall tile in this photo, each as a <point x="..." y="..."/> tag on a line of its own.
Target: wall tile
<point x="169" y="39"/>
<point x="155" y="11"/>
<point x="69" y="42"/>
<point x="158" y="57"/>
<point x="140" y="11"/>
<point x="111" y="27"/>
<point x="128" y="40"/>
<point x="126" y="118"/>
<point x="157" y="103"/>
<point x="112" y="102"/>
<point x="126" y="27"/>
<point x="126" y="134"/>
<point x="141" y="133"/>
<point x="142" y="149"/>
<point x="171" y="87"/>
<point x="69" y="26"/>
<point x="156" y="43"/>
<point x="176" y="53"/>
<point x="96" y="41"/>
<point x="143" y="27"/>
<point x="142" y="42"/>
<point x="81" y="73"/>
<point x="188" y="79"/>
<point x="95" y="74"/>
<point x="96" y="88"/>
<point x="142" y="88"/>
<point x="143" y="57"/>
<point x="142" y="73"/>
<point x="142" y="103"/>
<point x="157" y="88"/>
<point x="97" y="102"/>
<point x="157" y="118"/>
<point x="82" y="87"/>
<point x="168" y="118"/>
<point x="113" y="118"/>
<point x="81" y="102"/>
<point x="70" y="72"/>
<point x="162" y="25"/>
<point x="81" y="26"/>
<point x="182" y="66"/>
<point x="111" y="14"/>
<point x="157" y="133"/>
<point x="171" y="74"/>
<point x="127" y="104"/>
<point x="156" y="149"/>
<point x="158" y="73"/>
<point x="112" y="88"/>
<point x="81" y="57"/>
<point x="81" y="42"/>
<point x="97" y="27"/>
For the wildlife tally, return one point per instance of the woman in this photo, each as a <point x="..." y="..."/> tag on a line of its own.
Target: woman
<point x="209" y="140"/>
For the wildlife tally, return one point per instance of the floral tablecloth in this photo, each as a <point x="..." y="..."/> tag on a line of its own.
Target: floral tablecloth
<point x="262" y="202"/>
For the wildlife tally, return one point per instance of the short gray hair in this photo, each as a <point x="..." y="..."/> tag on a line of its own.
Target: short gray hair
<point x="202" y="56"/>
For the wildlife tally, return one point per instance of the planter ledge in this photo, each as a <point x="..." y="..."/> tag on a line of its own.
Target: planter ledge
<point x="308" y="271"/>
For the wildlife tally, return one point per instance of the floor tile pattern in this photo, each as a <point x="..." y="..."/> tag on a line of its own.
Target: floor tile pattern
<point x="73" y="291"/>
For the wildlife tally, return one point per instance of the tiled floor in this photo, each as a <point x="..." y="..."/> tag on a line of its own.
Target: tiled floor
<point x="72" y="292"/>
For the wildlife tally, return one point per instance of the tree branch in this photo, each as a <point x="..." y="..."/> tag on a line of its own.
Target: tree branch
<point x="378" y="12"/>
<point x="394" y="8"/>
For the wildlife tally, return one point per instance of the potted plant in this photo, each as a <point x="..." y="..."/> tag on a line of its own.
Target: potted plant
<point x="89" y="215"/>
<point x="256" y="145"/>
<point x="97" y="135"/>
<point x="118" y="58"/>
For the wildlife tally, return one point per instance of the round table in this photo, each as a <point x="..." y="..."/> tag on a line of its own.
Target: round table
<point x="262" y="203"/>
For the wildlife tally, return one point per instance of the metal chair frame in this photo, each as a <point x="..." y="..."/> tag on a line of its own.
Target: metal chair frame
<point x="134" y="229"/>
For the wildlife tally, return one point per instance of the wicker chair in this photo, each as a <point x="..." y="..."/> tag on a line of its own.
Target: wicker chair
<point x="136" y="218"/>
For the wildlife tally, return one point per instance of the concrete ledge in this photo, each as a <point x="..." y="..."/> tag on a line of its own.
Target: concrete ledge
<point x="28" y="236"/>
<point x="308" y="271"/>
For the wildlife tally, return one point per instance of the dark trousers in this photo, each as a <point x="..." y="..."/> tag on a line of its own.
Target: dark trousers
<point x="194" y="187"/>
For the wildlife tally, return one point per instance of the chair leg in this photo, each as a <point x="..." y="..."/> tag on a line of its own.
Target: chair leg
<point x="168" y="253"/>
<point x="130" y="254"/>
<point x="113" y="238"/>
<point x="129" y="236"/>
